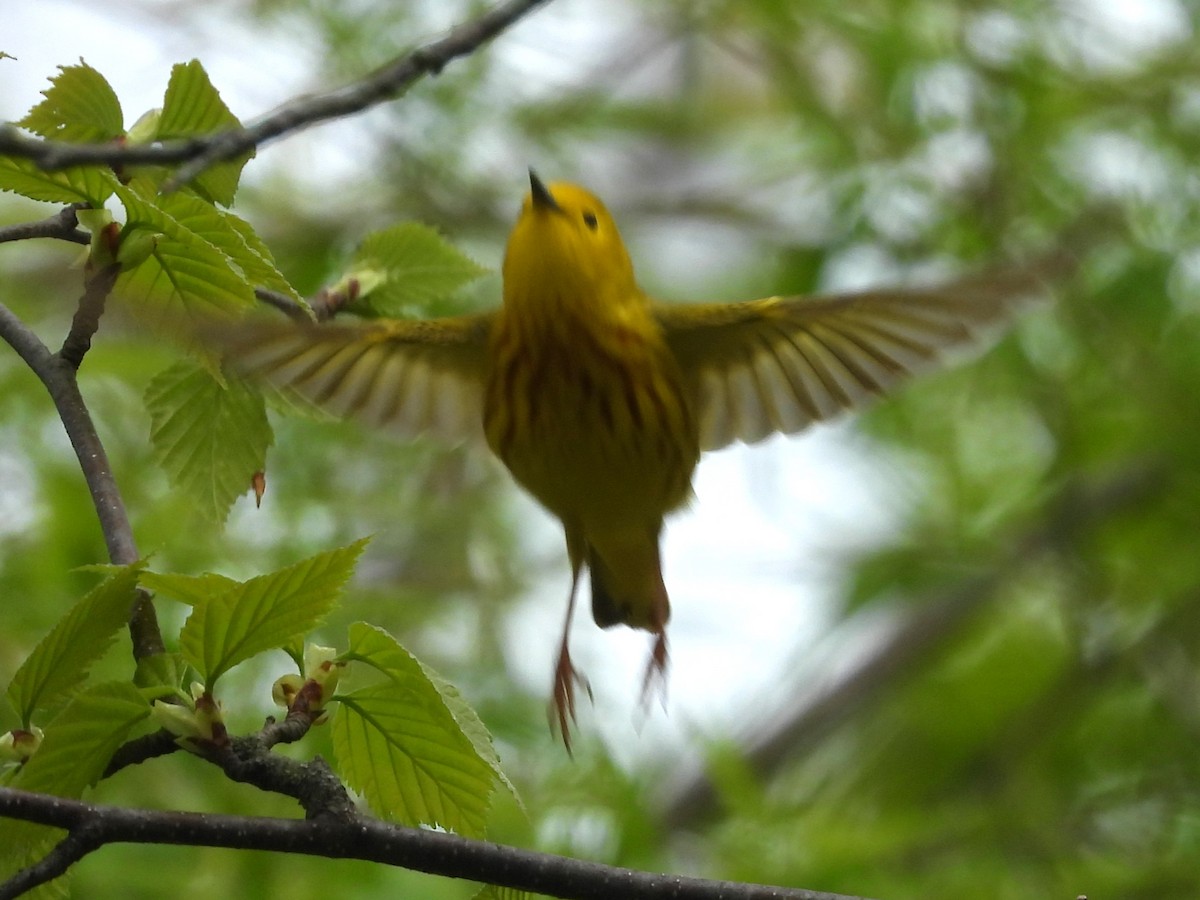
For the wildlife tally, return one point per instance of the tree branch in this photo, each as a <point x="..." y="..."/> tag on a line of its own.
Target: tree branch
<point x="249" y="760"/>
<point x="437" y="853"/>
<point x="58" y="374"/>
<point x="63" y="226"/>
<point x="78" y="843"/>
<point x="140" y="750"/>
<point x="197" y="154"/>
<point x="313" y="784"/>
<point x="86" y="321"/>
<point x="283" y="303"/>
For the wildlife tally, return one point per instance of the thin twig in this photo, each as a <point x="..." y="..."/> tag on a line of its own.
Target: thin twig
<point x="199" y="153"/>
<point x="437" y="853"/>
<point x="62" y="225"/>
<point x="78" y="843"/>
<point x="249" y="760"/>
<point x="140" y="750"/>
<point x="58" y="374"/>
<point x="313" y="784"/>
<point x="284" y="304"/>
<point x="86" y="321"/>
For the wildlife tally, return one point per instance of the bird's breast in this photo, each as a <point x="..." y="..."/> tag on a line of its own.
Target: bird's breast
<point x="579" y="412"/>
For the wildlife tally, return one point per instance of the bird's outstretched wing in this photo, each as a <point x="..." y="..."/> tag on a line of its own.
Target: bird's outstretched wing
<point x="781" y="363"/>
<point x="411" y="376"/>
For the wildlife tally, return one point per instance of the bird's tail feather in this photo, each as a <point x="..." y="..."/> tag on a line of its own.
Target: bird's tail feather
<point x="627" y="582"/>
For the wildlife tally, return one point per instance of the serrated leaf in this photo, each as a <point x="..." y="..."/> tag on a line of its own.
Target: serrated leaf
<point x="418" y="265"/>
<point x="232" y="236"/>
<point x="75" y="750"/>
<point x="267" y="275"/>
<point x="209" y="439"/>
<point x="189" y="589"/>
<point x="265" y="612"/>
<point x="60" y="662"/>
<point x="473" y="727"/>
<point x="80" y="106"/>
<point x="398" y="744"/>
<point x="81" y="740"/>
<point x="185" y="275"/>
<point x="378" y="649"/>
<point x="82" y="184"/>
<point x="193" y="107"/>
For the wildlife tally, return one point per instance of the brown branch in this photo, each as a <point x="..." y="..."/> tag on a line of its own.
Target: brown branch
<point x="249" y="760"/>
<point x="140" y="750"/>
<point x="59" y="377"/>
<point x="285" y="304"/>
<point x="86" y="322"/>
<point x="438" y="853"/>
<point x="322" y="307"/>
<point x="313" y="784"/>
<point x="58" y="373"/>
<point x="62" y="225"/>
<point x="199" y="153"/>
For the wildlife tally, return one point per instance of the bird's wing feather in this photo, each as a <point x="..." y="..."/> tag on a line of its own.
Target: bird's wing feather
<point x="782" y="363"/>
<point x="411" y="376"/>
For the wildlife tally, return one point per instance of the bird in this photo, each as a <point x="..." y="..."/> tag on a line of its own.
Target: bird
<point x="599" y="400"/>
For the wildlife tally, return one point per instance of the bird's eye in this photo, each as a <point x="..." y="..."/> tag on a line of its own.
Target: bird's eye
<point x="589" y="219"/>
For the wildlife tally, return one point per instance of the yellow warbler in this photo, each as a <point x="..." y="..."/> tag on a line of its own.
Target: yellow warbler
<point x="599" y="400"/>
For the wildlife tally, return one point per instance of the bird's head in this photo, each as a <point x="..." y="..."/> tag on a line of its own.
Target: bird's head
<point x="566" y="244"/>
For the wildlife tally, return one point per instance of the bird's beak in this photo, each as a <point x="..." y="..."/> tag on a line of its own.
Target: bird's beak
<point x="542" y="198"/>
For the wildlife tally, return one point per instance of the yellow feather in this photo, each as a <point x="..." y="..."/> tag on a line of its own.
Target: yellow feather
<point x="599" y="401"/>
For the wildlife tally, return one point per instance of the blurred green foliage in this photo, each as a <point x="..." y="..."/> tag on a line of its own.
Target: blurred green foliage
<point x="1039" y="738"/>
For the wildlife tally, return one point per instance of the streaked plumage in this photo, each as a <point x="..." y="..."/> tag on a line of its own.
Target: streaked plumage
<point x="599" y="401"/>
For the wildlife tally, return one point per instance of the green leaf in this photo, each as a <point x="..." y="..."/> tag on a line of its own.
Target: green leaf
<point x="81" y="740"/>
<point x="265" y="612"/>
<point x="160" y="671"/>
<point x="189" y="589"/>
<point x="377" y="648"/>
<point x="82" y="184"/>
<point x="80" y="106"/>
<point x="406" y="267"/>
<point x="192" y="107"/>
<point x="185" y="275"/>
<point x="209" y="439"/>
<point x="398" y="744"/>
<point x="60" y="662"/>
<point x="264" y="273"/>
<point x="74" y="753"/>
<point x="472" y="726"/>
<point x="232" y="236"/>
